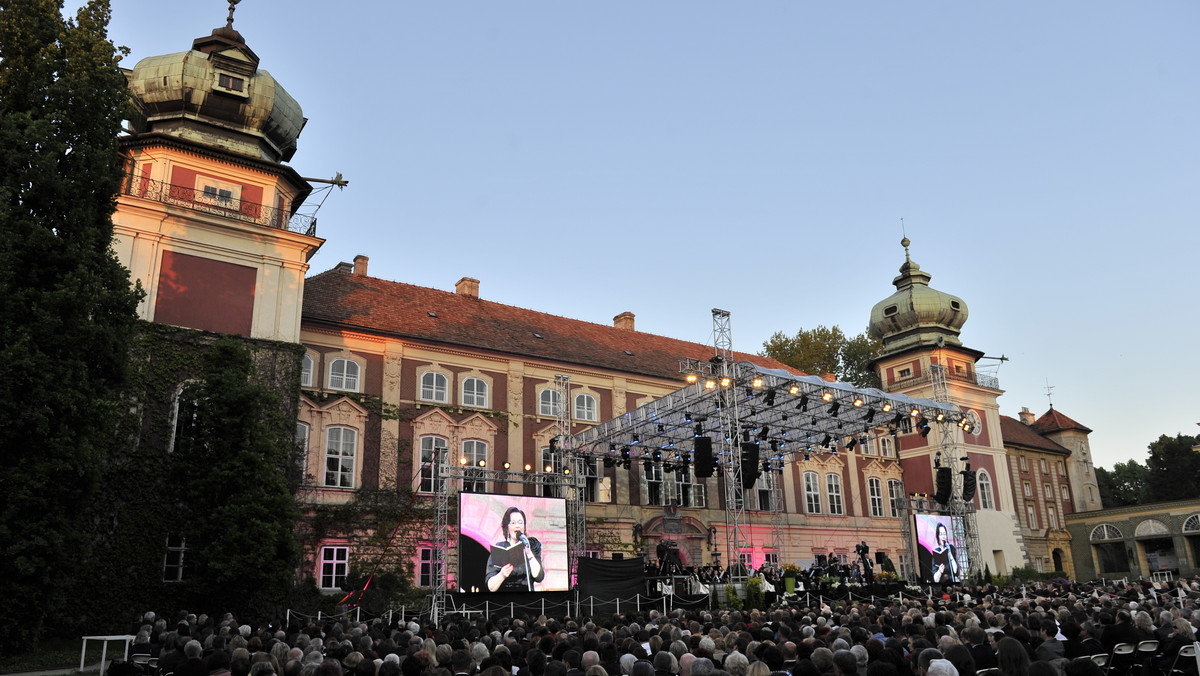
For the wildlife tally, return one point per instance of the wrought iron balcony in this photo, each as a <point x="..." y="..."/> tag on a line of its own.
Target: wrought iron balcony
<point x="974" y="378"/>
<point x="220" y="205"/>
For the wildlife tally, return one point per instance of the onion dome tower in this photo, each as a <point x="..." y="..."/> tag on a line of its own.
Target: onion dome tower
<point x="917" y="315"/>
<point x="207" y="218"/>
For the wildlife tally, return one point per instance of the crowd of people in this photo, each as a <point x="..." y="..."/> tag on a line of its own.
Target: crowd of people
<point x="976" y="631"/>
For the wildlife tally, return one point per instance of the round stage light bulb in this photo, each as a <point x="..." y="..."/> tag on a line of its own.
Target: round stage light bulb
<point x="710" y="384"/>
<point x="725" y="382"/>
<point x="528" y="467"/>
<point x="549" y="469"/>
<point x="858" y="402"/>
<point x="462" y="460"/>
<point x="794" y="389"/>
<point x="757" y="382"/>
<point x="692" y="377"/>
<point x="481" y="463"/>
<point x="828" y="396"/>
<point x="887" y="407"/>
<point x="915" y="412"/>
<point x="507" y="464"/>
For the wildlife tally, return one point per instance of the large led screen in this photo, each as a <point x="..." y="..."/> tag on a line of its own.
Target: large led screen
<point x="941" y="558"/>
<point x="512" y="543"/>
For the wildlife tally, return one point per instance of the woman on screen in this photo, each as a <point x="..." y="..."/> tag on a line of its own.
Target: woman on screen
<point x="512" y="576"/>
<point x="944" y="561"/>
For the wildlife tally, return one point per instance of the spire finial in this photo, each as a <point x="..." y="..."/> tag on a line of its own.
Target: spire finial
<point x="904" y="243"/>
<point x="229" y="19"/>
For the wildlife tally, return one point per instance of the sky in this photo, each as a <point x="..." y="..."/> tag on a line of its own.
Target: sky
<point x="666" y="158"/>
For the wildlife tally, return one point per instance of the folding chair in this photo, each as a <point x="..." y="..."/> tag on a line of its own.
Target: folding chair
<point x="1186" y="654"/>
<point x="1100" y="659"/>
<point x="1146" y="650"/>
<point x="1121" y="657"/>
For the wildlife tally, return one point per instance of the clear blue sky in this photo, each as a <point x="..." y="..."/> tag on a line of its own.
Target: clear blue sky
<point x="669" y="157"/>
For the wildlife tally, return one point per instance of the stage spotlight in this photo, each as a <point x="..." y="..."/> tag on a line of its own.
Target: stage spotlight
<point x="553" y="444"/>
<point x="528" y="467"/>
<point x="887" y="407"/>
<point x="462" y="460"/>
<point x="749" y="392"/>
<point x="923" y="425"/>
<point x="634" y="440"/>
<point x="914" y="412"/>
<point x="692" y="378"/>
<point x="825" y="441"/>
<point x="507" y="465"/>
<point x="661" y="428"/>
<point x="827" y="397"/>
<point x="807" y="457"/>
<point x="770" y="397"/>
<point x="834" y="408"/>
<point x="851" y="444"/>
<point x="698" y="429"/>
<point x="746" y="435"/>
<point x="794" y="390"/>
<point x="803" y="405"/>
<point x="858" y="402"/>
<point x="892" y="430"/>
<point x="726" y="381"/>
<point x="870" y="414"/>
<point x="566" y="470"/>
<point x="756" y="383"/>
<point x="762" y="433"/>
<point x="898" y="418"/>
<point x="687" y="416"/>
<point x="940" y="416"/>
<point x="647" y="466"/>
<point x="710" y="384"/>
<point x="549" y="469"/>
<point x="482" y="463"/>
<point x="657" y="456"/>
<point x="774" y="446"/>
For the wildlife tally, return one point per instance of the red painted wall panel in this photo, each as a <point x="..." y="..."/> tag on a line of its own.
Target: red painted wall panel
<point x="201" y="293"/>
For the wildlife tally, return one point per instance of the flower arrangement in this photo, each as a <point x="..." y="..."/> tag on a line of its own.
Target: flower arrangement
<point x="886" y="576"/>
<point x="791" y="570"/>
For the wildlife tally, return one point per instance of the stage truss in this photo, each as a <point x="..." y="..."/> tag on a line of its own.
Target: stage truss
<point x="787" y="417"/>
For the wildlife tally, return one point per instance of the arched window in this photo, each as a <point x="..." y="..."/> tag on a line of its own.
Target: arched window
<point x="549" y="403"/>
<point x="833" y="485"/>
<point x="984" y="488"/>
<point x="474" y="392"/>
<point x="1192" y="524"/>
<point x="1151" y="527"/>
<point x="875" y="490"/>
<point x="433" y="454"/>
<point x="434" y="387"/>
<point x="340" y="446"/>
<point x="343" y="375"/>
<point x="306" y="371"/>
<point x="585" y="408"/>
<point x="1105" y="531"/>
<point x="474" y="453"/>
<point x="812" y="493"/>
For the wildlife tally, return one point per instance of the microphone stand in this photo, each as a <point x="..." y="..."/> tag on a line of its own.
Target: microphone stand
<point x="525" y="560"/>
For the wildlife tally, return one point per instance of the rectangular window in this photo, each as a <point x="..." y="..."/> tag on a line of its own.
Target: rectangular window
<point x="475" y="393"/>
<point x="1047" y="491"/>
<point x="301" y="441"/>
<point x="766" y="491"/>
<point x="1028" y="489"/>
<point x="585" y="408"/>
<point x="591" y="480"/>
<point x="1024" y="464"/>
<point x="1064" y="492"/>
<point x="1059" y="465"/>
<point x="1031" y="512"/>
<point x="306" y="372"/>
<point x="230" y="82"/>
<point x="433" y="453"/>
<point x="429" y="569"/>
<point x="812" y="493"/>
<point x="895" y="495"/>
<point x="875" y="488"/>
<point x="334" y="564"/>
<point x="1052" y="518"/>
<point x="474" y="461"/>
<point x="653" y="474"/>
<point x="833" y="484"/>
<point x="340" y="445"/>
<point x="886" y="447"/>
<point x="173" y="565"/>
<point x="551" y="469"/>
<point x="1042" y="465"/>
<point x="771" y="559"/>
<point x="687" y="490"/>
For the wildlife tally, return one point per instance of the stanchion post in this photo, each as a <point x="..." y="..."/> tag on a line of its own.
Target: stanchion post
<point x="592" y="606"/>
<point x="358" y="614"/>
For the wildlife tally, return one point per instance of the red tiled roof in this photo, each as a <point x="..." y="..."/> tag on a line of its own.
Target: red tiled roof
<point x="1053" y="421"/>
<point x="1016" y="432"/>
<point x="376" y="305"/>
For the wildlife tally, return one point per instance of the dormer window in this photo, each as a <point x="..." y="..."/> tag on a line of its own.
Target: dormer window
<point x="231" y="84"/>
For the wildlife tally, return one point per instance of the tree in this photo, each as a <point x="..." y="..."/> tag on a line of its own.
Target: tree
<point x="1125" y="484"/>
<point x="67" y="308"/>
<point x="241" y="519"/>
<point x="827" y="350"/>
<point x="1173" y="468"/>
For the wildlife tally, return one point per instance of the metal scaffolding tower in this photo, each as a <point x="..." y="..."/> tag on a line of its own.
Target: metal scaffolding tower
<point x="964" y="530"/>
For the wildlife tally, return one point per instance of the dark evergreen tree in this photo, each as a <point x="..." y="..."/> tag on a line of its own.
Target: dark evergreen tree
<point x="1173" y="468"/>
<point x="67" y="309"/>
<point x="231" y="469"/>
<point x="1127" y="483"/>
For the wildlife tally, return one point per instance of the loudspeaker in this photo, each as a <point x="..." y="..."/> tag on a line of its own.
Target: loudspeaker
<point x="749" y="464"/>
<point x="969" y="485"/>
<point x="702" y="458"/>
<point x="617" y="556"/>
<point x="945" y="484"/>
<point x="821" y="560"/>
<point x="880" y="557"/>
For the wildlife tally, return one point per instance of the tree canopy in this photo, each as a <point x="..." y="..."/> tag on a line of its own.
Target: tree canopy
<point x="827" y="350"/>
<point x="67" y="308"/>
<point x="1125" y="484"/>
<point x="1170" y="471"/>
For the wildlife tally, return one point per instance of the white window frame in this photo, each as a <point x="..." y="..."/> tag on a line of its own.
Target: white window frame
<point x="983" y="485"/>
<point x="764" y="490"/>
<point x="1051" y="517"/>
<point x="1048" y="491"/>
<point x="1043" y="466"/>
<point x="875" y="492"/>
<point x="688" y="491"/>
<point x="887" y="447"/>
<point x="654" y="483"/>
<point x="473" y="481"/>
<point x="344" y="452"/>
<point x="1031" y="512"/>
<point x="306" y="371"/>
<point x="1024" y="464"/>
<point x="479" y="396"/>
<point x="1027" y="488"/>
<point x="812" y="493"/>
<point x="303" y="430"/>
<point x="549" y="402"/>
<point x="333" y="567"/>
<point x="427" y="565"/>
<point x="192" y="411"/>
<point x="553" y="460"/>
<point x="340" y="377"/>
<point x="833" y="486"/>
<point x="895" y="494"/>
<point x="432" y="448"/>
<point x="175" y="558"/>
<point x="435" y="387"/>
<point x="1064" y="491"/>
<point x="586" y="408"/>
<point x="591" y="479"/>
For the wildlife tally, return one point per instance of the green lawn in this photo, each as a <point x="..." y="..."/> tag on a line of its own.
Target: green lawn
<point x="59" y="653"/>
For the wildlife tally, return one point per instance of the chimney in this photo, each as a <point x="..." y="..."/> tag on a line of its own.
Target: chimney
<point x="467" y="287"/>
<point x="1026" y="415"/>
<point x="360" y="265"/>
<point x="344" y="267"/>
<point x="624" y="321"/>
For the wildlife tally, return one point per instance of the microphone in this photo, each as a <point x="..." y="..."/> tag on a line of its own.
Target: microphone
<point x="522" y="538"/>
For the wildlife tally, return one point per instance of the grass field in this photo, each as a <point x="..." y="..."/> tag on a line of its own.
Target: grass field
<point x="60" y="653"/>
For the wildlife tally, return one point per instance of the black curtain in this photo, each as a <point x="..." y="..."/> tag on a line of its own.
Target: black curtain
<point x="606" y="579"/>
